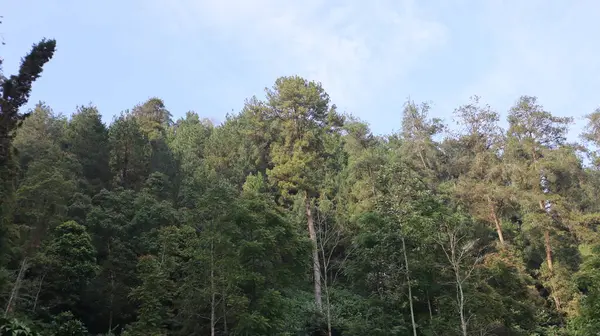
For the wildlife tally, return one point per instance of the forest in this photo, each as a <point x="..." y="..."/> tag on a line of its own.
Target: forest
<point x="293" y="218"/>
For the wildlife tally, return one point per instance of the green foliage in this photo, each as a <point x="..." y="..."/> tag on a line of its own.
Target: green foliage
<point x="14" y="93"/>
<point x="153" y="227"/>
<point x="302" y="118"/>
<point x="153" y="297"/>
<point x="71" y="264"/>
<point x="66" y="324"/>
<point x="130" y="152"/>
<point x="14" y="327"/>
<point x="587" y="320"/>
<point x="87" y="139"/>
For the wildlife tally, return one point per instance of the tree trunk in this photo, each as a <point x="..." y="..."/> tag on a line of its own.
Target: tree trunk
<point x="112" y="291"/>
<point x="429" y="307"/>
<point x="37" y="294"/>
<point x="410" y="300"/>
<point x="212" y="314"/>
<point x="496" y="222"/>
<point x="549" y="261"/>
<point x="463" y="321"/>
<point x="328" y="310"/>
<point x="315" y="254"/>
<point x="326" y="287"/>
<point x="548" y="250"/>
<point x="224" y="305"/>
<point x="556" y="300"/>
<point x="547" y="243"/>
<point x="551" y="268"/>
<point x="213" y="292"/>
<point x="125" y="164"/>
<point x="546" y="232"/>
<point x="14" y="294"/>
<point x="422" y="160"/>
<point x="460" y="298"/>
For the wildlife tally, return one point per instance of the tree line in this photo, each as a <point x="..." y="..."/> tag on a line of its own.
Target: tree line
<point x="292" y="218"/>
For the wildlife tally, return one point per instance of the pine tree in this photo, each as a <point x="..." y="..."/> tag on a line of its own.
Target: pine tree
<point x="14" y="94"/>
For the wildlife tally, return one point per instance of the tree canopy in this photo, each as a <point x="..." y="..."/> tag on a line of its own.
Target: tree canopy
<point x="292" y="218"/>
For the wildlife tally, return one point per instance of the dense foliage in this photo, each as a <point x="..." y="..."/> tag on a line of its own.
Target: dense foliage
<point x="291" y="218"/>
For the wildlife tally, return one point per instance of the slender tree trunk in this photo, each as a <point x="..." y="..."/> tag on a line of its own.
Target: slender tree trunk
<point x="125" y="166"/>
<point x="328" y="310"/>
<point x="460" y="295"/>
<point x="371" y="179"/>
<point x="429" y="307"/>
<point x="548" y="250"/>
<point x="549" y="260"/>
<point x="543" y="208"/>
<point x="37" y="294"/>
<point x="410" y="300"/>
<point x="225" y="332"/>
<point x="556" y="300"/>
<point x="551" y="268"/>
<point x="110" y="322"/>
<point x="455" y="258"/>
<point x="212" y="314"/>
<point x="315" y="254"/>
<point x="112" y="292"/>
<point x="547" y="243"/>
<point x="212" y="289"/>
<point x="461" y="301"/>
<point x="14" y="294"/>
<point x="425" y="165"/>
<point x="111" y="300"/>
<point x="326" y="287"/>
<point x="496" y="222"/>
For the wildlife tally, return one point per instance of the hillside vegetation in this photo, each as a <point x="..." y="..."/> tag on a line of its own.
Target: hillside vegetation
<point x="292" y="218"/>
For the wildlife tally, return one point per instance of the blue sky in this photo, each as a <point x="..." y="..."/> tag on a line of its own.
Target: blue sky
<point x="208" y="56"/>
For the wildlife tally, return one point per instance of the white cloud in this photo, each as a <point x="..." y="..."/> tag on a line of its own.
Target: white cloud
<point x="354" y="48"/>
<point x="362" y="51"/>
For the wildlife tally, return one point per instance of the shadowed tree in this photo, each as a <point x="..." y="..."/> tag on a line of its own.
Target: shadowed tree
<point x="87" y="138"/>
<point x="14" y="93"/>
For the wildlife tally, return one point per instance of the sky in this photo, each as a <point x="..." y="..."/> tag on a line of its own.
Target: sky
<point x="370" y="56"/>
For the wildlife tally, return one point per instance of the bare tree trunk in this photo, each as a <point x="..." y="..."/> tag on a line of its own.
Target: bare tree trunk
<point x="326" y="286"/>
<point x="457" y="254"/>
<point x="429" y="307"/>
<point x="112" y="292"/>
<point x="14" y="294"/>
<point x="315" y="254"/>
<point x="212" y="288"/>
<point x="547" y="243"/>
<point x="125" y="166"/>
<point x="110" y="322"/>
<point x="326" y="282"/>
<point x="548" y="250"/>
<point x="461" y="303"/>
<point x="410" y="300"/>
<point x="328" y="239"/>
<point x="328" y="310"/>
<point x="225" y="332"/>
<point x="425" y="165"/>
<point x="543" y="208"/>
<point x="496" y="222"/>
<point x="556" y="299"/>
<point x="551" y="268"/>
<point x="212" y="314"/>
<point x="549" y="260"/>
<point x="112" y="299"/>
<point x="37" y="294"/>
